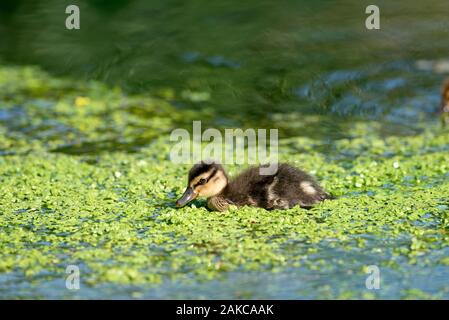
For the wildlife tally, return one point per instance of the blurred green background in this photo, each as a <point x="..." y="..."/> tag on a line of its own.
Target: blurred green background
<point x="247" y="64"/>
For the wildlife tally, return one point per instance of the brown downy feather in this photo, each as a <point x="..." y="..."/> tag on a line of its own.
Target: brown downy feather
<point x="287" y="188"/>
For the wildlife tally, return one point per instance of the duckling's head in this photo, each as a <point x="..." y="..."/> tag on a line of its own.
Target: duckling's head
<point x="206" y="179"/>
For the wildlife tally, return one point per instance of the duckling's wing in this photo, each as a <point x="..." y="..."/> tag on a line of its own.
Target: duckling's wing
<point x="297" y="187"/>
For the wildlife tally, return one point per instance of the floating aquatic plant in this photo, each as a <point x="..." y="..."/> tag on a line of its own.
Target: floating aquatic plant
<point x="112" y="213"/>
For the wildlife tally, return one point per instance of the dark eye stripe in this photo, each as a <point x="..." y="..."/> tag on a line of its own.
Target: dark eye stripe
<point x="214" y="171"/>
<point x="212" y="174"/>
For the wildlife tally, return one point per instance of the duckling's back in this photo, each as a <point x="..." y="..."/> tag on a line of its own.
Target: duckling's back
<point x="285" y="189"/>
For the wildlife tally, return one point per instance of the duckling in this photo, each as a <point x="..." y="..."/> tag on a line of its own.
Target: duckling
<point x="284" y="189"/>
<point x="444" y="109"/>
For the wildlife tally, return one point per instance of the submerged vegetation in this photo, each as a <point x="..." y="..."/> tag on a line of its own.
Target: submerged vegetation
<point x="85" y="180"/>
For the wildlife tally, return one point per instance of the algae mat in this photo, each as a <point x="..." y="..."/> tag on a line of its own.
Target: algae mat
<point x="79" y="188"/>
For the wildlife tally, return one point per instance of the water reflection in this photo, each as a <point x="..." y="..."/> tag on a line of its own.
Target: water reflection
<point x="248" y="65"/>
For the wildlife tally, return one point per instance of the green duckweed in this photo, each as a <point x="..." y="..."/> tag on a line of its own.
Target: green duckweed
<point x="66" y="201"/>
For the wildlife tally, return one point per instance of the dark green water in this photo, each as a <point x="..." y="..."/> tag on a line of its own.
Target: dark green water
<point x="247" y="64"/>
<point x="308" y="68"/>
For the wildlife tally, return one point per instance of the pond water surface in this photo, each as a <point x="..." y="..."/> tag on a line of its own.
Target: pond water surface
<point x="308" y="68"/>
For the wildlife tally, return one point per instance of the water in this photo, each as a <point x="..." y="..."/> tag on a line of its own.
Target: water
<point x="341" y="278"/>
<point x="248" y="64"/>
<point x="308" y="68"/>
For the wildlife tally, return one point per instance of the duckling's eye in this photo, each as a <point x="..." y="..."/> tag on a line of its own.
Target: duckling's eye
<point x="202" y="181"/>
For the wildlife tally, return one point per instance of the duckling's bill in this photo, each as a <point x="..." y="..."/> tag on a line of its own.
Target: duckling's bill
<point x="187" y="196"/>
